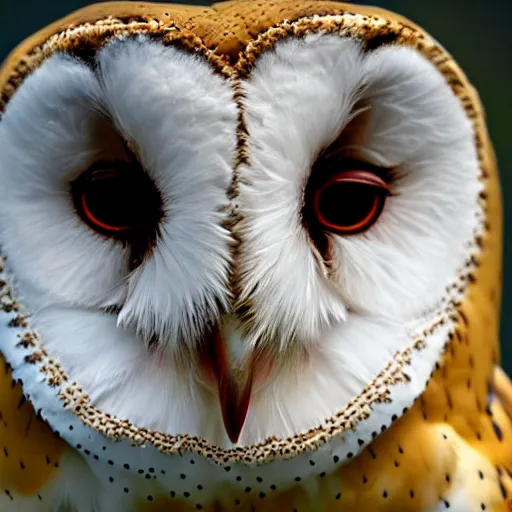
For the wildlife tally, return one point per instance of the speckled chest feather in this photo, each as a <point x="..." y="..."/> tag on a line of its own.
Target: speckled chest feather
<point x="419" y="437"/>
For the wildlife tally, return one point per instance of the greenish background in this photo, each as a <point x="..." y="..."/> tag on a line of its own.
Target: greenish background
<point x="476" y="32"/>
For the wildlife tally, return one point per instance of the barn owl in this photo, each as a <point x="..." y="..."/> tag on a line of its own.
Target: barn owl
<point x="251" y="260"/>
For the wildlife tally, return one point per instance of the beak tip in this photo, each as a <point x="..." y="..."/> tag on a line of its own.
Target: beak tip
<point x="234" y="415"/>
<point x="234" y="436"/>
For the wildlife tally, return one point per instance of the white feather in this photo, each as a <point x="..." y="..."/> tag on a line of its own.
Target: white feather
<point x="183" y="119"/>
<point x="392" y="277"/>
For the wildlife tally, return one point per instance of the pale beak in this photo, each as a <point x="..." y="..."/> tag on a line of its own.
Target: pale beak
<point x="234" y="378"/>
<point x="234" y="392"/>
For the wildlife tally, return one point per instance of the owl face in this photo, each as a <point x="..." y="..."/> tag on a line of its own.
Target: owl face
<point x="237" y="244"/>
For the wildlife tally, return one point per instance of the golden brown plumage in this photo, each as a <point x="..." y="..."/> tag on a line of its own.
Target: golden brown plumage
<point x="457" y="437"/>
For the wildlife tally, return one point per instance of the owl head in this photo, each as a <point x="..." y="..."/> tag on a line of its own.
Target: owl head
<point x="244" y="232"/>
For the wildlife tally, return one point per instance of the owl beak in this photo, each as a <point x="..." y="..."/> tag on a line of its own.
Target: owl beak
<point x="234" y="402"/>
<point x="234" y="386"/>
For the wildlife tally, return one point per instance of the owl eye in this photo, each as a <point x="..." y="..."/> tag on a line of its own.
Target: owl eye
<point x="117" y="199"/>
<point x="350" y="201"/>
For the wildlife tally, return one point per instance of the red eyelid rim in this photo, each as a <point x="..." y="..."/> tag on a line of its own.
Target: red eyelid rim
<point x="364" y="177"/>
<point x="355" y="176"/>
<point x="94" y="220"/>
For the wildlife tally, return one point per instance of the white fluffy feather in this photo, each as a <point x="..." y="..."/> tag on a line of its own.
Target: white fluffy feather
<point x="182" y="119"/>
<point x="299" y="98"/>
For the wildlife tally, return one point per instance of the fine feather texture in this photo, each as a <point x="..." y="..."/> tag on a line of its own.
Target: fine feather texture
<point x="182" y="120"/>
<point x="329" y="332"/>
<point x="298" y="99"/>
<point x="390" y="108"/>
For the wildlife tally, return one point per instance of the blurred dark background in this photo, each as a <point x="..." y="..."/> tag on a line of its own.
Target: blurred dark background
<point x="476" y="32"/>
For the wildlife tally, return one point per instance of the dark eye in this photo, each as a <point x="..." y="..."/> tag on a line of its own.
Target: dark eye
<point x="349" y="201"/>
<point x="119" y="200"/>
